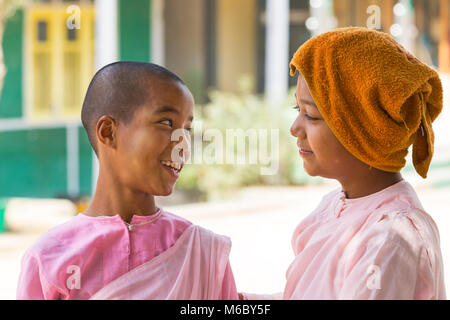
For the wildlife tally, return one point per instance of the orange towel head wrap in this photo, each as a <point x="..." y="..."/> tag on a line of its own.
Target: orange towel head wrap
<point x="375" y="96"/>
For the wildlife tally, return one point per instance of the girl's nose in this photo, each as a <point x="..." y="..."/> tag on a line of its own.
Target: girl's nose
<point x="297" y="129"/>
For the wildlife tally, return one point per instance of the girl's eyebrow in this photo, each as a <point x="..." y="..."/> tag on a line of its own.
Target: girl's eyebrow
<point x="171" y="109"/>
<point x="310" y="103"/>
<point x="167" y="109"/>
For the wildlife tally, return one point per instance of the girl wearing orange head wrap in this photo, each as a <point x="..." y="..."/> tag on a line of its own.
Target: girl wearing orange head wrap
<point x="362" y="101"/>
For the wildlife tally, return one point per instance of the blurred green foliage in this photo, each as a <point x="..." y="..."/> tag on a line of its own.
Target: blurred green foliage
<point x="243" y="110"/>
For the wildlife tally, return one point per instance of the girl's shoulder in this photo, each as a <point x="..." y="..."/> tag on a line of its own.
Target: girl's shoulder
<point x="411" y="230"/>
<point x="58" y="235"/>
<point x="411" y="221"/>
<point x="180" y="224"/>
<point x="169" y="217"/>
<point x="402" y="216"/>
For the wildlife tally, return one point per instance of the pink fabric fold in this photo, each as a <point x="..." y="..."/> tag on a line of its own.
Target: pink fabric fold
<point x="191" y="269"/>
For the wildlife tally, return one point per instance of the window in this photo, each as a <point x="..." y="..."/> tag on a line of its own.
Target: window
<point x="59" y="58"/>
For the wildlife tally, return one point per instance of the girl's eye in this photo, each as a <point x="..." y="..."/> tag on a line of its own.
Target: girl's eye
<point x="306" y="115"/>
<point x="167" y="122"/>
<point x="310" y="118"/>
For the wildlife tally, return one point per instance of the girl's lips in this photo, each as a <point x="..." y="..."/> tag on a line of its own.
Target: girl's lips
<point x="305" y="152"/>
<point x="173" y="172"/>
<point x="301" y="149"/>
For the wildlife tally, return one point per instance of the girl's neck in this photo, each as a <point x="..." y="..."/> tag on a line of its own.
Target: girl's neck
<point x="111" y="198"/>
<point x="374" y="181"/>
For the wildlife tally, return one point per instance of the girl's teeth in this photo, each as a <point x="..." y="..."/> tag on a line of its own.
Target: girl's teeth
<point x="171" y="164"/>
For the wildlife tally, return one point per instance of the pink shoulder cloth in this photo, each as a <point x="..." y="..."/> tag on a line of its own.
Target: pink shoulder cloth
<point x="192" y="269"/>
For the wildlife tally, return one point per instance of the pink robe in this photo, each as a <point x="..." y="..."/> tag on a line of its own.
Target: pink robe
<point x="77" y="259"/>
<point x="382" y="246"/>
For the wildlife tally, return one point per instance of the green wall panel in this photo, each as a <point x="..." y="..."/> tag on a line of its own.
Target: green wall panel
<point x="134" y="30"/>
<point x="33" y="163"/>
<point x="11" y="97"/>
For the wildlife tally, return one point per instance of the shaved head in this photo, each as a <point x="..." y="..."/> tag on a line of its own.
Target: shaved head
<point x="117" y="90"/>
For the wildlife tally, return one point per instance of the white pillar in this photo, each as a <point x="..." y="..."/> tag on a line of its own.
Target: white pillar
<point x="277" y="50"/>
<point x="157" y="32"/>
<point x="106" y="50"/>
<point x="106" y="33"/>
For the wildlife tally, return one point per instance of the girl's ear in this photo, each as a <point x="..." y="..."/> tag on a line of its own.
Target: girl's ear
<point x="106" y="131"/>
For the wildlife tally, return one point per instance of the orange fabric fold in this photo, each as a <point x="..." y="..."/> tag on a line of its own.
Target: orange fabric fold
<point x="375" y="96"/>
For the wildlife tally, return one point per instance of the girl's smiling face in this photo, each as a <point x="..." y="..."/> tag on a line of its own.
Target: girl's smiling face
<point x="323" y="155"/>
<point x="141" y="158"/>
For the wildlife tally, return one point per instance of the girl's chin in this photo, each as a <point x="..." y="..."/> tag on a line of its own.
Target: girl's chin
<point x="310" y="171"/>
<point x="161" y="190"/>
<point x="165" y="191"/>
<point x="165" y="194"/>
<point x="317" y="173"/>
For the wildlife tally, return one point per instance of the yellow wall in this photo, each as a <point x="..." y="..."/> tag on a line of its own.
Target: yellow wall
<point x="236" y="42"/>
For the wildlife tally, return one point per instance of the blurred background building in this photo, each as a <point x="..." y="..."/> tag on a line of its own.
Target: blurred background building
<point x="52" y="49"/>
